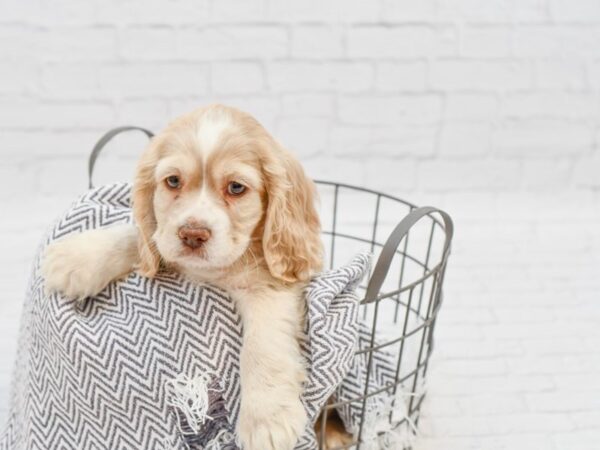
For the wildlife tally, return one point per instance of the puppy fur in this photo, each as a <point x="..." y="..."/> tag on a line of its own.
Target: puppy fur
<point x="261" y="245"/>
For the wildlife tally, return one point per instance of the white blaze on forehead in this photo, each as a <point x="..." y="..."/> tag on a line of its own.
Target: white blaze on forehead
<point x="211" y="127"/>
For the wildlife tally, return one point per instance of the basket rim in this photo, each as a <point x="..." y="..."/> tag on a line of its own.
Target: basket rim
<point x="364" y="189"/>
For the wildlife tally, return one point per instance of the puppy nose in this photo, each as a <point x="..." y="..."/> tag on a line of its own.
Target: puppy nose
<point x="194" y="237"/>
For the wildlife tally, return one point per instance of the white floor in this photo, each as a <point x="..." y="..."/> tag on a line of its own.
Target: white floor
<point x="516" y="363"/>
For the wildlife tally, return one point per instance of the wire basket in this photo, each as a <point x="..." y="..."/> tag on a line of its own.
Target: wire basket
<point x="400" y="302"/>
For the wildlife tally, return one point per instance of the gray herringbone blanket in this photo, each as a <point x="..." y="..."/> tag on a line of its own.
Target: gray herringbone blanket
<point x="102" y="374"/>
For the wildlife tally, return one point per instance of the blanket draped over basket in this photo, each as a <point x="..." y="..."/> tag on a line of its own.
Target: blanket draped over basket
<point x="100" y="374"/>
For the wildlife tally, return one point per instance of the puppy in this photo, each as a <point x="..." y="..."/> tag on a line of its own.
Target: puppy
<point x="217" y="199"/>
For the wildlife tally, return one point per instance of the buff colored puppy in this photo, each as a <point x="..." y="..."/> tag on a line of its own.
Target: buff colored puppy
<point x="217" y="199"/>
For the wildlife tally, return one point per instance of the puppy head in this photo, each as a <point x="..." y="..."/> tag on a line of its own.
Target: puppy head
<point x="213" y="183"/>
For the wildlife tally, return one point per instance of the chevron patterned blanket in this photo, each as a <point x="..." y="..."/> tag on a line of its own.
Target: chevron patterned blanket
<point x="102" y="374"/>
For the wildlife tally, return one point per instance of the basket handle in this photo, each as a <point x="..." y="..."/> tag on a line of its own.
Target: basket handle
<point x="104" y="140"/>
<point x="391" y="245"/>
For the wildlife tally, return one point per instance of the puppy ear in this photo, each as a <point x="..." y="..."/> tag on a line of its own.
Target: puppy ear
<point x="292" y="233"/>
<point x="143" y="210"/>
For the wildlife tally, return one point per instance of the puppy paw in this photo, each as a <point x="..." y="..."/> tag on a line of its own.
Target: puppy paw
<point x="335" y="434"/>
<point x="82" y="265"/>
<point x="271" y="427"/>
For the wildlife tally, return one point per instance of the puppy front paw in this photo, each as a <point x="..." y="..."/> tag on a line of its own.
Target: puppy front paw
<point x="81" y="265"/>
<point x="274" y="424"/>
<point x="67" y="269"/>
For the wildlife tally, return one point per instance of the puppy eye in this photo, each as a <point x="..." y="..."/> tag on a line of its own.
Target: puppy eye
<point x="173" y="182"/>
<point x="235" y="188"/>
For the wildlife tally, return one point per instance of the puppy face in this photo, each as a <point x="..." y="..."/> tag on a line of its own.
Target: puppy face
<point x="208" y="197"/>
<point x="213" y="183"/>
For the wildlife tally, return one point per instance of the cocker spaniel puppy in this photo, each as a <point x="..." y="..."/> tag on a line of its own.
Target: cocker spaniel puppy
<point x="217" y="199"/>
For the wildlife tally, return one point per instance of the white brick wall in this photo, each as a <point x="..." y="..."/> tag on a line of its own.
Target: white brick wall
<point x="490" y="110"/>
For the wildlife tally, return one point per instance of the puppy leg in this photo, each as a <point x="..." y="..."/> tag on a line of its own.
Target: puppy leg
<point x="82" y="265"/>
<point x="272" y="416"/>
<point x="335" y="435"/>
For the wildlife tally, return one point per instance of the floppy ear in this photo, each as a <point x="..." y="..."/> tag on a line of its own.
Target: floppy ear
<point x="143" y="210"/>
<point x="292" y="233"/>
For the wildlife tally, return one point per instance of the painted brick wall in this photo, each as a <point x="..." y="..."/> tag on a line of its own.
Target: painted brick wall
<point x="490" y="110"/>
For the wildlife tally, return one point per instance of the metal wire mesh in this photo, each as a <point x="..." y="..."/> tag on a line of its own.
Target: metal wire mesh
<point x="400" y="299"/>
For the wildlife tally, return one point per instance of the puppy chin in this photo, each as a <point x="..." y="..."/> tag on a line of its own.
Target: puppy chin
<point x="193" y="253"/>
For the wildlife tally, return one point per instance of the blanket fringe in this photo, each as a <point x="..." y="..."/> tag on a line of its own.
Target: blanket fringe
<point x="221" y="440"/>
<point x="190" y="396"/>
<point x="380" y="433"/>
